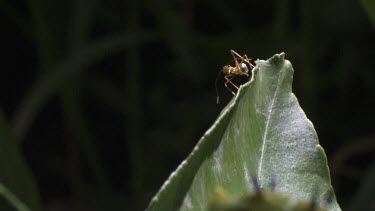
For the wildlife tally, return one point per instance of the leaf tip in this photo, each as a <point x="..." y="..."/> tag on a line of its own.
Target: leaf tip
<point x="277" y="58"/>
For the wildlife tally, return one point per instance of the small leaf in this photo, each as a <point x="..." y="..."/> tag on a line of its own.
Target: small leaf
<point x="262" y="135"/>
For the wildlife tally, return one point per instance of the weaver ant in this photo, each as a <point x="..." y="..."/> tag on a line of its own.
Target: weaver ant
<point x="242" y="64"/>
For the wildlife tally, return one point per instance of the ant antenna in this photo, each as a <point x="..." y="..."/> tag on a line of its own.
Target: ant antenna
<point x="217" y="92"/>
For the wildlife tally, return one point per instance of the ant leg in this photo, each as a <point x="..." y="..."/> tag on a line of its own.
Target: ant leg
<point x="244" y="58"/>
<point x="228" y="80"/>
<point x="247" y="60"/>
<point x="229" y="88"/>
<point x="234" y="54"/>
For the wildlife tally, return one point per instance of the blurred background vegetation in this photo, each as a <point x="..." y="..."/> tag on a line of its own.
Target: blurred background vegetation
<point x="101" y="100"/>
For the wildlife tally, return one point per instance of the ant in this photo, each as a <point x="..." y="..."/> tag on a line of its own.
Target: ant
<point x="240" y="68"/>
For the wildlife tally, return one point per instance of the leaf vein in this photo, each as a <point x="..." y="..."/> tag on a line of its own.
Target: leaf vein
<point x="260" y="167"/>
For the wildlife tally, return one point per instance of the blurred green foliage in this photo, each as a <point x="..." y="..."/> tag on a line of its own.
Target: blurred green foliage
<point x="17" y="185"/>
<point x="107" y="97"/>
<point x="369" y="7"/>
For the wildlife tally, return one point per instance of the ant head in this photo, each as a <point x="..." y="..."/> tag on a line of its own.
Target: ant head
<point x="244" y="68"/>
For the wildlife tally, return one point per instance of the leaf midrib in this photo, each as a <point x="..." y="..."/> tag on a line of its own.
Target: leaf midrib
<point x="266" y="132"/>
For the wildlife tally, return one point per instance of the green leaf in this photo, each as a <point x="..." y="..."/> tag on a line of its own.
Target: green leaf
<point x="262" y="134"/>
<point x="17" y="185"/>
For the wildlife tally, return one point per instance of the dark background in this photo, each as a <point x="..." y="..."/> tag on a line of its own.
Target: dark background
<point x="106" y="98"/>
